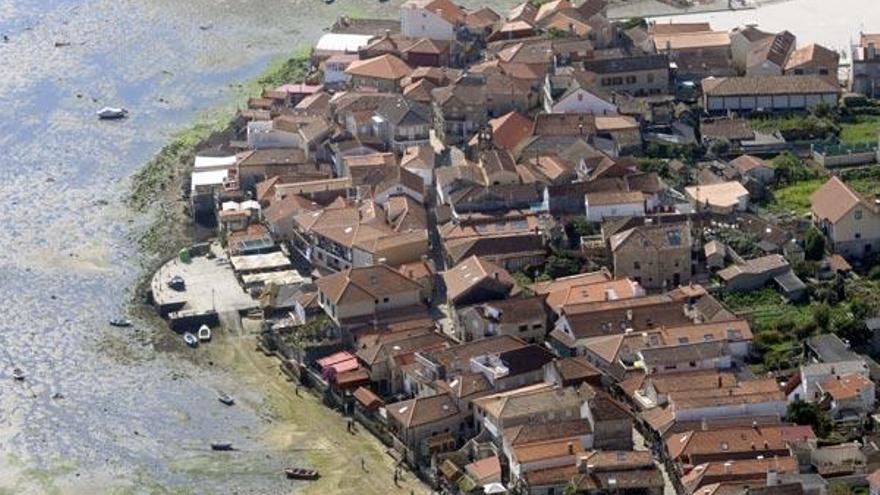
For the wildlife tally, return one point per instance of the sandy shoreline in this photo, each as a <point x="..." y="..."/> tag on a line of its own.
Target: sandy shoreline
<point x="302" y="426"/>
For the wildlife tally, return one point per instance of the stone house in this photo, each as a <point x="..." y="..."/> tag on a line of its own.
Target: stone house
<point x="654" y="255"/>
<point x="523" y="317"/>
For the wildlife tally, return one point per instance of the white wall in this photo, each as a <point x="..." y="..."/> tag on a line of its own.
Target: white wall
<point x="582" y="101"/>
<point x="420" y="23"/>
<point x="598" y="212"/>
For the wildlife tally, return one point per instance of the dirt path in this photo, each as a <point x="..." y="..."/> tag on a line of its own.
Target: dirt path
<point x="302" y="424"/>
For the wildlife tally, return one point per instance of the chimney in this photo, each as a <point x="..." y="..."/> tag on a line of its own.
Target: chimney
<point x="704" y="424"/>
<point x="728" y="467"/>
<point x="772" y="477"/>
<point x="495" y="275"/>
<point x="570" y="448"/>
<point x="720" y="381"/>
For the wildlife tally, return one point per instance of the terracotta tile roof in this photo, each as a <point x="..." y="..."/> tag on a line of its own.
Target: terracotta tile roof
<point x="510" y="129"/>
<point x="769" y="85"/>
<point x="484" y="469"/>
<point x="564" y="283"/>
<point x="422" y="411"/>
<point x="419" y="91"/>
<point x="747" y="163"/>
<point x="813" y="56"/>
<point x="368" y="283"/>
<point x="466" y="385"/>
<point x="382" y="67"/>
<point x="734" y="440"/>
<point x="471" y="272"/>
<point x="550" y="430"/>
<point x="367" y="398"/>
<point x="525" y="11"/>
<point x="482" y="18"/>
<point x="589" y="8"/>
<point x="550" y="7"/>
<point x="844" y="387"/>
<point x="547" y="450"/>
<point x="737" y="470"/>
<point x="834" y="200"/>
<point x="459" y="356"/>
<point x="691" y="40"/>
<point x="666" y="28"/>
<point x="729" y="129"/>
<point x="774" y="49"/>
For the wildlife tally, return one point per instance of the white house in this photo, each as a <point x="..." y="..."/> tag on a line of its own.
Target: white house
<point x="600" y="205"/>
<point x="812" y="374"/>
<point x="261" y="134"/>
<point x="581" y="100"/>
<point x="432" y="19"/>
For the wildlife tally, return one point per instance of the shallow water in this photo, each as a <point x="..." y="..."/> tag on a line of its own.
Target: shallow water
<point x="135" y="417"/>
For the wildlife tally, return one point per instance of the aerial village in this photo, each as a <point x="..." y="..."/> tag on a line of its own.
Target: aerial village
<point x="540" y="252"/>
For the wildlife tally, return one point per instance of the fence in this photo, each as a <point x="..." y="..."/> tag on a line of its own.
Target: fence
<point x="844" y="155"/>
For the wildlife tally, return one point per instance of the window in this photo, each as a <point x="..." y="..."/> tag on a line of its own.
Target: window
<point x="523" y="328"/>
<point x="858" y="215"/>
<point x="650" y="78"/>
<point x="537" y="326"/>
<point x="799" y="72"/>
<point x="858" y="235"/>
<point x="637" y="265"/>
<point x="630" y="79"/>
<point x="617" y="81"/>
<point x="385" y="299"/>
<point x="693" y="364"/>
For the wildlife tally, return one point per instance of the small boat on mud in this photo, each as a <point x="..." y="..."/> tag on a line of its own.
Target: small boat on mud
<point x="204" y="333"/>
<point x="296" y="473"/>
<point x="112" y="113"/>
<point x="120" y="322"/>
<point x="226" y="399"/>
<point x="17" y="374"/>
<point x="221" y="446"/>
<point x="190" y="339"/>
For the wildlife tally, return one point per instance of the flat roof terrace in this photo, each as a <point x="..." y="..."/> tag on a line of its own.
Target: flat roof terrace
<point x="210" y="285"/>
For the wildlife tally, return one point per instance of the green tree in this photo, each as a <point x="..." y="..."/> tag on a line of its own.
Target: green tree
<point x="561" y="266"/>
<point x="814" y="245"/>
<point x="822" y="316"/>
<point x="805" y="413"/>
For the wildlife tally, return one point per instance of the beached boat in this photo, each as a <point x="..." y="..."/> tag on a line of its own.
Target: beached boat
<point x="120" y="322"/>
<point x="17" y="374"/>
<point x="296" y="473"/>
<point x="226" y="399"/>
<point x="221" y="446"/>
<point x="177" y="283"/>
<point x="190" y="339"/>
<point x="110" y="113"/>
<point x="204" y="333"/>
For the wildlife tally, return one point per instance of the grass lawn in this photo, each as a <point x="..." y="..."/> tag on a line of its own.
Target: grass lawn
<point x="794" y="197"/>
<point x="766" y="308"/>
<point x="862" y="129"/>
<point x="865" y="181"/>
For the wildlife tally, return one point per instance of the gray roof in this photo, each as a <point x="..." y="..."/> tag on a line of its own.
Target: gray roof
<point x="627" y="64"/>
<point x="829" y="348"/>
<point x="400" y="111"/>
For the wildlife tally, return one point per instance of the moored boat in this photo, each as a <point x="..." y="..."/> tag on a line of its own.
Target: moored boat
<point x="110" y="113"/>
<point x="18" y="374"/>
<point x="190" y="340"/>
<point x="204" y="333"/>
<point x="120" y="322"/>
<point x="221" y="446"/>
<point x="226" y="399"/>
<point x="297" y="473"/>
